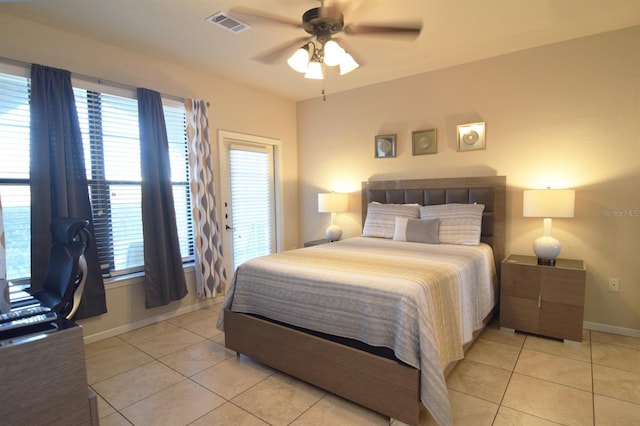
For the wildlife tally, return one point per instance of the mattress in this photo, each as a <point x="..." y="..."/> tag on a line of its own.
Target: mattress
<point x="423" y="301"/>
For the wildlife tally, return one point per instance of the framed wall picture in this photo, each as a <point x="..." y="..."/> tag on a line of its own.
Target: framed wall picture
<point x="385" y="146"/>
<point x="424" y="142"/>
<point x="471" y="136"/>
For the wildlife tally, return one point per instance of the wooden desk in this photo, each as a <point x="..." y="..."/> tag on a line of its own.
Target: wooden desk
<point x="44" y="381"/>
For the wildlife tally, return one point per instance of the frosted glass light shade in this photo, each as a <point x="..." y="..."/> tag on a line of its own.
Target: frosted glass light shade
<point x="299" y="61"/>
<point x="347" y="64"/>
<point x="333" y="53"/>
<point x="314" y="71"/>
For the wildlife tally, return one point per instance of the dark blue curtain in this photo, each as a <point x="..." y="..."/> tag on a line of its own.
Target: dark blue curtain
<point x="163" y="270"/>
<point x="58" y="178"/>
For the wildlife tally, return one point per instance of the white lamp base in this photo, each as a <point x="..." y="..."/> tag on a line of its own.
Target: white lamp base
<point x="547" y="249"/>
<point x="333" y="232"/>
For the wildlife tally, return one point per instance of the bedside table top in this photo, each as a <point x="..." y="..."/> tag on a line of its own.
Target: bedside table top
<point x="533" y="261"/>
<point x="315" y="242"/>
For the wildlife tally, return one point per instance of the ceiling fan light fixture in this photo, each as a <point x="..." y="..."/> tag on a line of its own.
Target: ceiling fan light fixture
<point x="347" y="64"/>
<point x="314" y="71"/>
<point x="299" y="61"/>
<point x="333" y="53"/>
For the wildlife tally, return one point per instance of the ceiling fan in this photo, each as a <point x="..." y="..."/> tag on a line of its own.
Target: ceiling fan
<point x="320" y="47"/>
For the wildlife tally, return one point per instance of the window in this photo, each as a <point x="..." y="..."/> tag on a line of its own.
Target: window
<point x="109" y="126"/>
<point x="14" y="173"/>
<point x="252" y="201"/>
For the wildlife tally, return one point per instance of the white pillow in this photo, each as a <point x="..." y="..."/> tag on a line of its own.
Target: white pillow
<point x="459" y="223"/>
<point x="381" y="218"/>
<point x="417" y="230"/>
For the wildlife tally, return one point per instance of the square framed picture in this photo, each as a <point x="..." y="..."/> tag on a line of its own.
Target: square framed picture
<point x="424" y="142"/>
<point x="471" y="136"/>
<point x="385" y="146"/>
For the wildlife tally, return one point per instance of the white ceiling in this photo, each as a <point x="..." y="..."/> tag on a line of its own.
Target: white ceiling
<point x="454" y="32"/>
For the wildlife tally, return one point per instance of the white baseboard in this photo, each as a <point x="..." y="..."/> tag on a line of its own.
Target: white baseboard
<point x="148" y="321"/>
<point x="606" y="328"/>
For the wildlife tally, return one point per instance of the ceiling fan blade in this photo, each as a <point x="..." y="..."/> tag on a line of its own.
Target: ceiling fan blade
<point x="264" y="17"/>
<point x="409" y="30"/>
<point x="347" y="7"/>
<point x="331" y="12"/>
<point x="278" y="52"/>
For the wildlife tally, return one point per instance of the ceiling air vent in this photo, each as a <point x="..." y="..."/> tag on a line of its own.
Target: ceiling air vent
<point x="227" y="22"/>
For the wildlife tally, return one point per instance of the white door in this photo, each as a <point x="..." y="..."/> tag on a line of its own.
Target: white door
<point x="249" y="198"/>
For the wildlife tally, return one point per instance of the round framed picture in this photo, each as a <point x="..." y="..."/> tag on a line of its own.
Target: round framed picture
<point x="385" y="146"/>
<point x="471" y="136"/>
<point x="424" y="142"/>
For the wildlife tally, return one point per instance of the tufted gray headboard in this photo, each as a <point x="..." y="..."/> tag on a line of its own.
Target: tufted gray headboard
<point x="487" y="190"/>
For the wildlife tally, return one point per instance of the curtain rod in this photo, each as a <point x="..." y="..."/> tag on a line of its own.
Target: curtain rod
<point x="92" y="79"/>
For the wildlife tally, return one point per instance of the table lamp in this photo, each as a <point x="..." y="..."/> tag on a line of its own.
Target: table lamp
<point x="333" y="202"/>
<point x="548" y="203"/>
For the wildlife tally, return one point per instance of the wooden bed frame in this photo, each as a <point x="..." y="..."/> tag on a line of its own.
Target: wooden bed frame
<point x="386" y="386"/>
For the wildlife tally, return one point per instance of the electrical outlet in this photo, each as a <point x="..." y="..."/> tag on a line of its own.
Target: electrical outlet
<point x="614" y="285"/>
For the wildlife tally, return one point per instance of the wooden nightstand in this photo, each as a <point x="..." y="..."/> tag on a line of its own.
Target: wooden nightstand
<point x="546" y="300"/>
<point x="315" y="242"/>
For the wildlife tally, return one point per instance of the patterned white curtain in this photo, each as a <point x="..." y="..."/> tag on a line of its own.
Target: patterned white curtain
<point x="210" y="275"/>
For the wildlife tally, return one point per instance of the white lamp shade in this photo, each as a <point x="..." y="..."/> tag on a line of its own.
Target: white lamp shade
<point x="548" y="203"/>
<point x="333" y="202"/>
<point x="299" y="61"/>
<point x="314" y="71"/>
<point x="347" y="64"/>
<point x="333" y="53"/>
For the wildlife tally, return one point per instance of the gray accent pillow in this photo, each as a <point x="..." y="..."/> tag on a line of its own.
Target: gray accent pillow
<point x="417" y="230"/>
<point x="459" y="223"/>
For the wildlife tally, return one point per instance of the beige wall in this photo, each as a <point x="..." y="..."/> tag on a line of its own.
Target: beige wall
<point x="234" y="107"/>
<point x="565" y="115"/>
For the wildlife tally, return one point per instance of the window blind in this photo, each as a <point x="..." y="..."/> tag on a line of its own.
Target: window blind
<point x="251" y="176"/>
<point x="14" y="173"/>
<point x="109" y="126"/>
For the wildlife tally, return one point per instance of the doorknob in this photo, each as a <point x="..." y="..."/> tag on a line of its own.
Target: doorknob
<point x="229" y="228"/>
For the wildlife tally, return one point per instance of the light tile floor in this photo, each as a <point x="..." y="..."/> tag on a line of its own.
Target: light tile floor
<point x="177" y="372"/>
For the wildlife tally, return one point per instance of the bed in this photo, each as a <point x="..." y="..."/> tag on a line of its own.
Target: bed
<point x="375" y="319"/>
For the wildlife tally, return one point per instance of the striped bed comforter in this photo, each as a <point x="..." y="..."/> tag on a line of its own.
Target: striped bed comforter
<point x="421" y="300"/>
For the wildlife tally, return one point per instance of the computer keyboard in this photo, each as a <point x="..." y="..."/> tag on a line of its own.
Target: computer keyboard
<point x="23" y="313"/>
<point x="28" y="321"/>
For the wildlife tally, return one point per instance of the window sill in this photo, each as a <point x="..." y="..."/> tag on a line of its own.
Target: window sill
<point x="136" y="277"/>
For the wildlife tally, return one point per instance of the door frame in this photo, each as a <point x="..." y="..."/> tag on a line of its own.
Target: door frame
<point x="226" y="137"/>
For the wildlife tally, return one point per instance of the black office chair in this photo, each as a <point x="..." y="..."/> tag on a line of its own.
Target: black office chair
<point x="66" y="268"/>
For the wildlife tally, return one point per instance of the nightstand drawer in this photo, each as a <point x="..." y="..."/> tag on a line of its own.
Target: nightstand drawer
<point x="520" y="281"/>
<point x="561" y="321"/>
<point x="519" y="314"/>
<point x="563" y="286"/>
